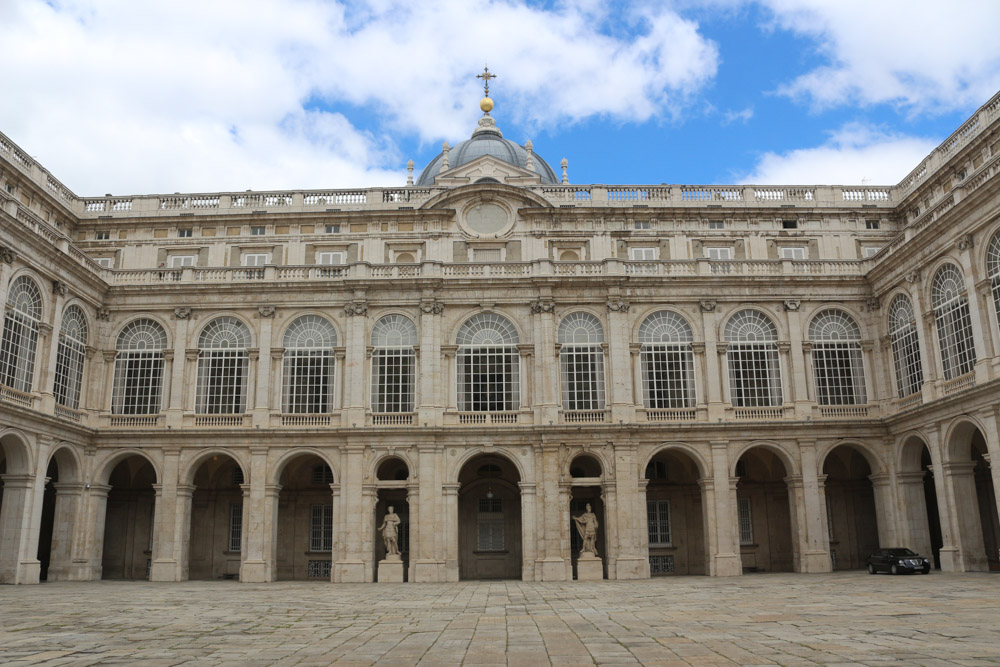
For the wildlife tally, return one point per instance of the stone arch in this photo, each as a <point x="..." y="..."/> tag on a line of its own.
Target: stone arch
<point x="917" y="466"/>
<point x="303" y="542"/>
<point x="193" y="464"/>
<point x="768" y="504"/>
<point x="673" y="516"/>
<point x="473" y="452"/>
<point x="68" y="459"/>
<point x="167" y="329"/>
<point x="215" y="520"/>
<point x="108" y="465"/>
<point x="812" y="313"/>
<point x="584" y="463"/>
<point x="277" y="468"/>
<point x="125" y="493"/>
<point x="874" y="459"/>
<point x="251" y="329"/>
<point x="907" y="450"/>
<point x="469" y="313"/>
<point x="489" y="514"/>
<point x="44" y="295"/>
<point x="285" y="321"/>
<point x="784" y="455"/>
<point x="958" y="432"/>
<point x="857" y="512"/>
<point x="972" y="494"/>
<point x="386" y="466"/>
<point x="703" y="466"/>
<point x="927" y="288"/>
<point x="697" y="332"/>
<point x="16" y="450"/>
<point x="723" y="320"/>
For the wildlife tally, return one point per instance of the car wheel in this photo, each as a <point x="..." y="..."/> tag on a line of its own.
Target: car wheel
<point x="894" y="569"/>
<point x="926" y="570"/>
<point x="871" y="569"/>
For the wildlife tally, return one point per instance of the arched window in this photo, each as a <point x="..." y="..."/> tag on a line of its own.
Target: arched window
<point x="581" y="362"/>
<point x="667" y="361"/>
<point x="307" y="377"/>
<point x="954" y="327"/>
<point x="993" y="270"/>
<point x="20" y="334"/>
<point x="138" y="384"/>
<point x="223" y="364"/>
<point x="393" y="364"/>
<point x="905" y="347"/>
<point x="752" y="356"/>
<point x="837" y="362"/>
<point x="489" y="370"/>
<point x="69" y="357"/>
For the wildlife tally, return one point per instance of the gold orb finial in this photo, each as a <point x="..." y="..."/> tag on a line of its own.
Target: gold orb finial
<point x="486" y="104"/>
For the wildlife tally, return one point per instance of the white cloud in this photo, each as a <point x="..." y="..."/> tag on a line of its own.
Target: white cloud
<point x="925" y="55"/>
<point x="743" y="116"/>
<point x="856" y="154"/>
<point x="125" y="96"/>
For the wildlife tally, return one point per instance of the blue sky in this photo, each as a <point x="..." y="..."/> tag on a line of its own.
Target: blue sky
<point x="125" y="97"/>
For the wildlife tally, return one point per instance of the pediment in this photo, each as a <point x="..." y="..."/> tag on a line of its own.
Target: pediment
<point x="487" y="166"/>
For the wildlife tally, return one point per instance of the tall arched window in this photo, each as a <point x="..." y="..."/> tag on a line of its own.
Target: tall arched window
<point x="20" y="334"/>
<point x="667" y="361"/>
<point x="752" y="356"/>
<point x="905" y="347"/>
<point x="489" y="367"/>
<point x="138" y="385"/>
<point x="837" y="362"/>
<point x="581" y="362"/>
<point x="307" y="377"/>
<point x="69" y="357"/>
<point x="393" y="364"/>
<point x="993" y="270"/>
<point x="954" y="327"/>
<point x="223" y="365"/>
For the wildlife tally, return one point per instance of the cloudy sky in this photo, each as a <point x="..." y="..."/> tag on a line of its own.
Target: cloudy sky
<point x="128" y="97"/>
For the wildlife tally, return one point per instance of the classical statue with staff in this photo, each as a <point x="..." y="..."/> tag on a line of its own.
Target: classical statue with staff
<point x="586" y="525"/>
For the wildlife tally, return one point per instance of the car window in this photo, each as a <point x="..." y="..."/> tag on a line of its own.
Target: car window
<point x="902" y="553"/>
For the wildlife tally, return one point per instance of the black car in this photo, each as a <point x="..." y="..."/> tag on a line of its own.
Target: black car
<point x="897" y="561"/>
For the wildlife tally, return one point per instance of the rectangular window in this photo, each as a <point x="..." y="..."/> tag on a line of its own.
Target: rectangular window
<point x="719" y="253"/>
<point x="642" y="254"/>
<point x="178" y="261"/>
<point x="327" y="258"/>
<point x="489" y="525"/>
<point x="393" y="379"/>
<point x="256" y="259"/>
<point x="185" y="233"/>
<point x="871" y="224"/>
<point x="642" y="224"/>
<point x="332" y="229"/>
<point x="106" y="262"/>
<point x="258" y="231"/>
<point x="870" y="251"/>
<point x="746" y="521"/>
<point x="789" y="224"/>
<point x="667" y="376"/>
<point x="582" y="369"/>
<point x="137" y="384"/>
<point x="102" y="236"/>
<point x="716" y="224"/>
<point x="487" y="255"/>
<point x="236" y="527"/>
<point x="658" y="520"/>
<point x="793" y="252"/>
<point x="321" y="528"/>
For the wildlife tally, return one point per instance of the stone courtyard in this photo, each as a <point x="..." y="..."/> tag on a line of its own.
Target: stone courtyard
<point x="786" y="619"/>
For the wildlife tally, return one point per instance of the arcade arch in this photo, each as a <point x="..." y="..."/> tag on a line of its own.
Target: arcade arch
<point x="918" y="500"/>
<point x="852" y="522"/>
<point x="971" y="487"/>
<point x="764" y="512"/>
<point x="128" y="545"/>
<point x="304" y="520"/>
<point x="676" y="535"/>
<point x="216" y="528"/>
<point x="489" y="519"/>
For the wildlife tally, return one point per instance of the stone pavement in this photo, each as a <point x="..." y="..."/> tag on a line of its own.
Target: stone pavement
<point x="762" y="619"/>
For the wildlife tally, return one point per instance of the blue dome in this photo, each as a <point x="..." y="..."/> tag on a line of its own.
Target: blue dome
<point x="487" y="140"/>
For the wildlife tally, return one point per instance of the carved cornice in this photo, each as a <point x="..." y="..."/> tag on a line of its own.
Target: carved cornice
<point x="618" y="305"/>
<point x="431" y="307"/>
<point x="544" y="306"/>
<point x="359" y="308"/>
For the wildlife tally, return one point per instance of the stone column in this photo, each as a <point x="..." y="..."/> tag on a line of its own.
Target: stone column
<point x="259" y="521"/>
<point x="432" y="383"/>
<point x="17" y="564"/>
<point x="797" y="513"/>
<point x="427" y="563"/>
<point x="713" y="380"/>
<point x="914" y="527"/>
<point x="787" y="396"/>
<point x="799" y="381"/>
<point x="562" y="514"/>
<point x="369" y="499"/>
<point x="641" y="522"/>
<point x="619" y="337"/>
<point x="354" y="366"/>
<point x="814" y="534"/>
<point x="262" y="404"/>
<point x="355" y="518"/>
<point x="960" y="481"/>
<point x="991" y="433"/>
<point x="529" y="552"/>
<point x="885" y="510"/>
<point x="416" y="534"/>
<point x="47" y="376"/>
<point x="630" y="561"/>
<point x="612" y="541"/>
<point x="337" y="552"/>
<point x="553" y="564"/>
<point x="719" y="510"/>
<point x="96" y="502"/>
<point x="546" y="367"/>
<point x="177" y="390"/>
<point x="450" y="491"/>
<point x="7" y="257"/>
<point x="170" y="532"/>
<point x="66" y="525"/>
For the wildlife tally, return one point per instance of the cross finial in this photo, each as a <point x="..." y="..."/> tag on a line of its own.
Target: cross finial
<point x="486" y="76"/>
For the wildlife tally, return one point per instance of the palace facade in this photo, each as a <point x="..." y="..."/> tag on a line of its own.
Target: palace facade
<point x="736" y="378"/>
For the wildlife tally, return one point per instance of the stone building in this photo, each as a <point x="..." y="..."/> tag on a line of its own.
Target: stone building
<point x="735" y="378"/>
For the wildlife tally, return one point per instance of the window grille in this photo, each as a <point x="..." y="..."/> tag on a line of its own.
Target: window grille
<point x="393" y="364"/>
<point x="745" y="521"/>
<point x="322" y="474"/>
<point x="795" y="252"/>
<point x="20" y="334"/>
<point x="752" y="356"/>
<point x="905" y="347"/>
<point x="70" y="355"/>
<point x="138" y="383"/>
<point x="180" y="261"/>
<point x="489" y="525"/>
<point x="308" y="366"/>
<point x="656" y="470"/>
<point x="993" y="271"/>
<point x="954" y="326"/>
<point x="488" y="365"/>
<point x="581" y="361"/>
<point x="238" y="477"/>
<point x="318" y="569"/>
<point x="321" y="528"/>
<point x="236" y="527"/>
<point x="256" y="259"/>
<point x="667" y="361"/>
<point x="661" y="564"/>
<point x="658" y="520"/>
<point x="643" y="254"/>
<point x="837" y="363"/>
<point x="223" y="364"/>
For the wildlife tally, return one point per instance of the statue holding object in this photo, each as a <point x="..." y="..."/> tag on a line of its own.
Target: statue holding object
<point x="586" y="525"/>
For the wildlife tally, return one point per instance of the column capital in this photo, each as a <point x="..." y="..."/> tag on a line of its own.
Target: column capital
<point x="793" y="481"/>
<point x="527" y="488"/>
<point x="450" y="488"/>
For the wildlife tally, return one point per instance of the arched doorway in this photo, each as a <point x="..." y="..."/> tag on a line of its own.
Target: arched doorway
<point x="850" y="508"/>
<point x="586" y="474"/>
<point x="391" y="481"/>
<point x="15" y="485"/>
<point x="918" y="495"/>
<point x="489" y="519"/>
<point x="60" y="505"/>
<point x="216" y="529"/>
<point x="763" y="512"/>
<point x="674" y="515"/>
<point x="305" y="527"/>
<point x="47" y="523"/>
<point x="986" y="496"/>
<point x="974" y="498"/>
<point x="128" y="521"/>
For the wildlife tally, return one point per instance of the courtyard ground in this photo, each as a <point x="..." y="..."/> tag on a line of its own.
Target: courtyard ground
<point x="761" y="619"/>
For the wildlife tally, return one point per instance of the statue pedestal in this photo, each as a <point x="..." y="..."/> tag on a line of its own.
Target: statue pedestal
<point x="390" y="570"/>
<point x="589" y="567"/>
